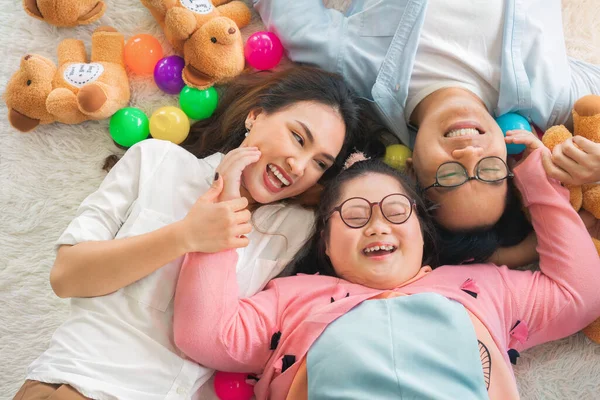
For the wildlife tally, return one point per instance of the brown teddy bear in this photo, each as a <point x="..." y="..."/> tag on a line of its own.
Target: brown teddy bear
<point x="207" y="33"/>
<point x="76" y="91"/>
<point x="586" y="122"/>
<point x="65" y="12"/>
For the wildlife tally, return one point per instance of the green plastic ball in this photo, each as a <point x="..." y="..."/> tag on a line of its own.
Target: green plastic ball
<point x="198" y="104"/>
<point x="129" y="126"/>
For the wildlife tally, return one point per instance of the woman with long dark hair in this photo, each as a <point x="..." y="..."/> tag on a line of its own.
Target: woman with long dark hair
<point x="273" y="137"/>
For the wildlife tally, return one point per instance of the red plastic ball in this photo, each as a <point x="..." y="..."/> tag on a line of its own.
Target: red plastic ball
<point x="232" y="386"/>
<point x="263" y="50"/>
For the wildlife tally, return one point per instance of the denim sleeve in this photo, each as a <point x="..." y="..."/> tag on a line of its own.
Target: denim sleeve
<point x="309" y="32"/>
<point x="585" y="79"/>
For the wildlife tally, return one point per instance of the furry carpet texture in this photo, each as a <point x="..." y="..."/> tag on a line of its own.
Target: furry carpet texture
<point x="46" y="174"/>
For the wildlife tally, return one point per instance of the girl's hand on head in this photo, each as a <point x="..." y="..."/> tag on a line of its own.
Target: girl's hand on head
<point x="231" y="168"/>
<point x="576" y="161"/>
<point x="212" y="226"/>
<point x="529" y="139"/>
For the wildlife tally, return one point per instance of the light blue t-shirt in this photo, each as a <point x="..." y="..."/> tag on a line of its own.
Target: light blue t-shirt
<point x="422" y="346"/>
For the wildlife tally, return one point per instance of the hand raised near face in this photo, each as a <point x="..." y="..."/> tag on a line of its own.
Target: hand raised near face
<point x="529" y="139"/>
<point x="231" y="168"/>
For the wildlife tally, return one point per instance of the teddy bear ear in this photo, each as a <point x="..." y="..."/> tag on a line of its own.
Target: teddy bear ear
<point x="93" y="15"/>
<point x="32" y="9"/>
<point x="195" y="78"/>
<point x="22" y="122"/>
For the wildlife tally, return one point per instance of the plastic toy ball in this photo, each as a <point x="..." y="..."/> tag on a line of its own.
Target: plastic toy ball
<point x="396" y="155"/>
<point x="232" y="386"/>
<point x="169" y="123"/>
<point x="141" y="53"/>
<point x="167" y="74"/>
<point x="128" y="126"/>
<point x="198" y="104"/>
<point x="263" y="50"/>
<point x="509" y="122"/>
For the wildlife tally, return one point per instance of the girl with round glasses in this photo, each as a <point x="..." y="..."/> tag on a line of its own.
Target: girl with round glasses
<point x="377" y="318"/>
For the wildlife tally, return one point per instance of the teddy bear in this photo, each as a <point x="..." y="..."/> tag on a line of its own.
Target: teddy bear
<point x="207" y="33"/>
<point x="586" y="123"/>
<point x="65" y="12"/>
<point x="76" y="91"/>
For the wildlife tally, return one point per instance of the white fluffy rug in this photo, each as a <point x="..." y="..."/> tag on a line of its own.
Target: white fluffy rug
<point x="46" y="174"/>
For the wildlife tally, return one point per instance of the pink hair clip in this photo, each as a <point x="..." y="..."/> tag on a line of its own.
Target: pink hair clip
<point x="354" y="158"/>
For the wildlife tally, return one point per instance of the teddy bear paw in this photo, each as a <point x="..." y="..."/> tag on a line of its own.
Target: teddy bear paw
<point x="91" y="98"/>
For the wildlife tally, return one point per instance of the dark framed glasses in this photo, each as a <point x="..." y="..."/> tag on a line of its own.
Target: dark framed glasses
<point x="489" y="170"/>
<point x="356" y="212"/>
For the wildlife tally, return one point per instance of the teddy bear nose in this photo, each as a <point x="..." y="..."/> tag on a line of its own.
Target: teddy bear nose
<point x="231" y="31"/>
<point x="27" y="57"/>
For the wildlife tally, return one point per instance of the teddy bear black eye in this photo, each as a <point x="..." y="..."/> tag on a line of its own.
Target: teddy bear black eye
<point x="213" y="39"/>
<point x="28" y="82"/>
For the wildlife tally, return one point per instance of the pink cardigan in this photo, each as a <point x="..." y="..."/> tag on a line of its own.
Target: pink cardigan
<point x="519" y="309"/>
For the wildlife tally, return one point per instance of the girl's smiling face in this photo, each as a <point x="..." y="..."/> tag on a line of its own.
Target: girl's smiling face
<point x="353" y="251"/>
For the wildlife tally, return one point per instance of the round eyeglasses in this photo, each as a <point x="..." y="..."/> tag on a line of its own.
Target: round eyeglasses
<point x="356" y="212"/>
<point x="489" y="170"/>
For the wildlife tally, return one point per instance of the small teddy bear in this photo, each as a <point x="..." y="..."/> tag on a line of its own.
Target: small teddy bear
<point x="76" y="91"/>
<point x="586" y="122"/>
<point x="65" y="12"/>
<point x="207" y="33"/>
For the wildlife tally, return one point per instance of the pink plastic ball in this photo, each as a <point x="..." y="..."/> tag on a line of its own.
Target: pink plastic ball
<point x="263" y="50"/>
<point x="232" y="386"/>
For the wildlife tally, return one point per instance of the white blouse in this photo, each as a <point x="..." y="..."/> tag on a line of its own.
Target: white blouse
<point x="120" y="346"/>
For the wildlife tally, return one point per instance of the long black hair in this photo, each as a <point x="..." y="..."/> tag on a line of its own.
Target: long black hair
<point x="478" y="245"/>
<point x="311" y="258"/>
<point x="272" y="92"/>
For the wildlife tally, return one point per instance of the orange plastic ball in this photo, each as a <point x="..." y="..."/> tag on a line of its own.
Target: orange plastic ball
<point x="141" y="53"/>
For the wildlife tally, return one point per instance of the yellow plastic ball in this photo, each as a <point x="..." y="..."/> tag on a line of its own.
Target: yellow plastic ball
<point x="396" y="156"/>
<point x="169" y="123"/>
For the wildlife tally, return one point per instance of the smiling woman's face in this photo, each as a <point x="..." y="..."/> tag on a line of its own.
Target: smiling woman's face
<point x="454" y="125"/>
<point x="297" y="144"/>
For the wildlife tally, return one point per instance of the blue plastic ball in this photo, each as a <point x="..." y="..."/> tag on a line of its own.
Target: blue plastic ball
<point x="510" y="122"/>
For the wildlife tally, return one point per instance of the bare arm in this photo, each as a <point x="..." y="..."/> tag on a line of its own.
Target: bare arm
<point x="91" y="269"/>
<point x="519" y="255"/>
<point x="98" y="264"/>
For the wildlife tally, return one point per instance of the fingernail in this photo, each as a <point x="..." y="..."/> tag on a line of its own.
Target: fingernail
<point x="216" y="176"/>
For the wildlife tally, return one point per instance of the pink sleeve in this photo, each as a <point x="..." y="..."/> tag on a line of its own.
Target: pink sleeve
<point x="562" y="298"/>
<point x="212" y="325"/>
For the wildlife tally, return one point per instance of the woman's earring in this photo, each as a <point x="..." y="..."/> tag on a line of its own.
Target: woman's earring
<point x="247" y="133"/>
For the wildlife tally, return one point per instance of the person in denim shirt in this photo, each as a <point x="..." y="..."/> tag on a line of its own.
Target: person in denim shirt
<point x="437" y="74"/>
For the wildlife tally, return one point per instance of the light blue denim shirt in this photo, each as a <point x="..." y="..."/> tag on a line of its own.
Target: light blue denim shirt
<point x="374" y="43"/>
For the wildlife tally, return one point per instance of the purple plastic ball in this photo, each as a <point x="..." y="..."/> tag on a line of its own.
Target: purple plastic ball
<point x="167" y="74"/>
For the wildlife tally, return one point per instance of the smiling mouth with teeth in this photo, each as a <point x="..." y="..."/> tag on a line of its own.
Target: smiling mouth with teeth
<point x="276" y="177"/>
<point x="463" y="132"/>
<point x="379" y="250"/>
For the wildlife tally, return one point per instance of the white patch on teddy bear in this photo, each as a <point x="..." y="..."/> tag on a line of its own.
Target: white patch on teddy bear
<point x="198" y="6"/>
<point x="80" y="74"/>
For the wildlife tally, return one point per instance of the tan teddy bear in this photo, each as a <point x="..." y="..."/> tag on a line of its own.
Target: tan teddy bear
<point x="65" y="12"/>
<point x="76" y="91"/>
<point x="207" y="33"/>
<point x="586" y="122"/>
